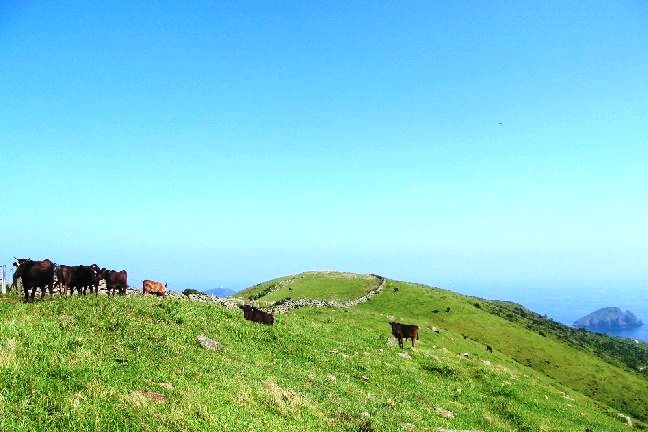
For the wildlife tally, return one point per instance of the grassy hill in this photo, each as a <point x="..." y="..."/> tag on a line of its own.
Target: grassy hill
<point x="314" y="285"/>
<point x="133" y="364"/>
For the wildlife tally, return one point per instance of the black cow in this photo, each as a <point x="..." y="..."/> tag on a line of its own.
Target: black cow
<point x="84" y="277"/>
<point x="404" y="331"/>
<point x="257" y="315"/>
<point x="35" y="274"/>
<point x="489" y="349"/>
<point x="116" y="281"/>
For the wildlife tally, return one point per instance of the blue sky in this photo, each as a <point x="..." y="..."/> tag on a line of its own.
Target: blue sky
<point x="471" y="145"/>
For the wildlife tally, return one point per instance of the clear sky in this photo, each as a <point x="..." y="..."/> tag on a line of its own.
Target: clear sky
<point x="464" y="144"/>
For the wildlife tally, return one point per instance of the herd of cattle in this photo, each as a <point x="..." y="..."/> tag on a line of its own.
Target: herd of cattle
<point x="41" y="274"/>
<point x="47" y="275"/>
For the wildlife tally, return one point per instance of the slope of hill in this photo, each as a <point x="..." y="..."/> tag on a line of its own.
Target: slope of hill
<point x="134" y="364"/>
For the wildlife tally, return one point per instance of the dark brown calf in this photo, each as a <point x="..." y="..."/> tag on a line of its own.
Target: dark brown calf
<point x="404" y="331"/>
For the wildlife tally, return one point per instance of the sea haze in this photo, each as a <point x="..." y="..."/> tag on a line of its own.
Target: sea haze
<point x="567" y="303"/>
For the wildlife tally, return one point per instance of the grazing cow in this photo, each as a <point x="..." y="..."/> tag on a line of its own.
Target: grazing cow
<point x="404" y="331"/>
<point x="489" y="349"/>
<point x="257" y="315"/>
<point x="35" y="274"/>
<point x="153" y="287"/>
<point x="116" y="281"/>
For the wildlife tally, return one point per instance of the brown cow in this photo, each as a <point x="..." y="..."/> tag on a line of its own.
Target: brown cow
<point x="63" y="278"/>
<point x="404" y="331"/>
<point x="153" y="287"/>
<point x="116" y="281"/>
<point x="257" y="315"/>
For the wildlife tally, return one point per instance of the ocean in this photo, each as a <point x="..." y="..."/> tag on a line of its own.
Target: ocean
<point x="568" y="303"/>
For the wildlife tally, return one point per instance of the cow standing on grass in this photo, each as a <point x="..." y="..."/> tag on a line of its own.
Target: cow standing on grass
<point x="83" y="277"/>
<point x="35" y="274"/>
<point x="63" y="278"/>
<point x="404" y="331"/>
<point x="79" y="277"/>
<point x="116" y="281"/>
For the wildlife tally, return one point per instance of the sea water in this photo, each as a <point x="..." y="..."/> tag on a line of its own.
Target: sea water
<point x="567" y="303"/>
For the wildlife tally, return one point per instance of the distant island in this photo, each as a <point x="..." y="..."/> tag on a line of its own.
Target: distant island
<point x="609" y="318"/>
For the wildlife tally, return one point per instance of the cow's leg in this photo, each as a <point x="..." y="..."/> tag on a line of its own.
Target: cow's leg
<point x="400" y="342"/>
<point x="412" y="342"/>
<point x="33" y="293"/>
<point x="26" y="290"/>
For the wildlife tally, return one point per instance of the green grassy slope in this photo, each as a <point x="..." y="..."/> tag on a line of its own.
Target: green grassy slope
<point x="576" y="368"/>
<point x="97" y="363"/>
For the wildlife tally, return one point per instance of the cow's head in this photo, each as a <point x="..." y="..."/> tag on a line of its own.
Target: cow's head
<point x="21" y="261"/>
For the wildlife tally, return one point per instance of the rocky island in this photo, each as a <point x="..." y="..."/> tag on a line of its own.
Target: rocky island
<point x="609" y="318"/>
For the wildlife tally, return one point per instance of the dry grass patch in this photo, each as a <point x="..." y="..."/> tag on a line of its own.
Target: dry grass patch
<point x="8" y="353"/>
<point x="140" y="398"/>
<point x="284" y="399"/>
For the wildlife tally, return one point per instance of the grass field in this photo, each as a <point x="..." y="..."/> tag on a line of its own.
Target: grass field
<point x="133" y="364"/>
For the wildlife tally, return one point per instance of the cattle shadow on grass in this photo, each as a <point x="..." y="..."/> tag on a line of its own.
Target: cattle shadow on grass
<point x="439" y="369"/>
